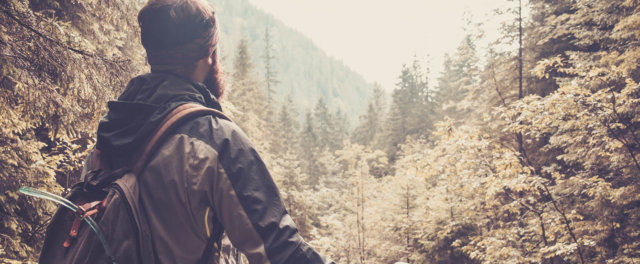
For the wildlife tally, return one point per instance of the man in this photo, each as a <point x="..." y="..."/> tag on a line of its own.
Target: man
<point x="206" y="179"/>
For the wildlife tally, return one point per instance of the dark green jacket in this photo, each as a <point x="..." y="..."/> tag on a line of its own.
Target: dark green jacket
<point x="206" y="179"/>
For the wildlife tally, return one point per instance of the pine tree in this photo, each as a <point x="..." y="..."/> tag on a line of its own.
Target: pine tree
<point x="421" y="114"/>
<point x="459" y="75"/>
<point x="246" y="95"/>
<point x="287" y="128"/>
<point x="370" y="125"/>
<point x="412" y="109"/>
<point x="447" y="81"/>
<point x="270" y="73"/>
<point x="324" y="123"/>
<point x="340" y="130"/>
<point x="331" y="128"/>
<point x="309" y="150"/>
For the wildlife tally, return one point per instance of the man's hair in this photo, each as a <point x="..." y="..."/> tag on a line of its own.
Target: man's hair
<point x="166" y="24"/>
<point x="178" y="33"/>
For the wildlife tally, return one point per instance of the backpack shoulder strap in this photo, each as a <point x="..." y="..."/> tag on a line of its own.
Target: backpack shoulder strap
<point x="174" y="119"/>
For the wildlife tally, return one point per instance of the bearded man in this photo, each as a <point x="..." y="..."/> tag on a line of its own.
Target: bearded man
<point x="206" y="179"/>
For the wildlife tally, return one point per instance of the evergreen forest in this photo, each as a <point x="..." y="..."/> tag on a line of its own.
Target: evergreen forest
<point x="524" y="151"/>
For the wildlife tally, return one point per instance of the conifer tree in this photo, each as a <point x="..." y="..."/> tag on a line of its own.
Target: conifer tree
<point x="370" y="125"/>
<point x="447" y="81"/>
<point x="422" y="111"/>
<point x="287" y="128"/>
<point x="309" y="150"/>
<point x="246" y="95"/>
<point x="459" y="75"/>
<point x="340" y="130"/>
<point x="330" y="127"/>
<point x="324" y="123"/>
<point x="270" y="73"/>
<point x="412" y="108"/>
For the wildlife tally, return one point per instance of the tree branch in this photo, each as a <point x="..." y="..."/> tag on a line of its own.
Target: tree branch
<point x="495" y="84"/>
<point x="624" y="142"/>
<point x="567" y="222"/>
<point x="631" y="131"/>
<point x="58" y="43"/>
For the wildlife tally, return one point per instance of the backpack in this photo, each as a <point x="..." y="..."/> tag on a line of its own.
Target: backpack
<point x="116" y="229"/>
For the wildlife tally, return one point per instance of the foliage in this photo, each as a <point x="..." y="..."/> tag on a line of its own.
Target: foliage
<point x="412" y="110"/>
<point x="471" y="171"/>
<point x="459" y="75"/>
<point x="548" y="178"/>
<point x="369" y="130"/>
<point x="60" y="63"/>
<point x="304" y="71"/>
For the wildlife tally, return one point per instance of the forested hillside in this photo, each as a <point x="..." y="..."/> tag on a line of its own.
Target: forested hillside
<point x="294" y="65"/>
<point x="529" y="157"/>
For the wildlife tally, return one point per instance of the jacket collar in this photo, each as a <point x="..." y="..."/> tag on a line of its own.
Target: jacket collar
<point x="140" y="109"/>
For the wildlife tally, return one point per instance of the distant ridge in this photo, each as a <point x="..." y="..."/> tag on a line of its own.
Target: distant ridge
<point x="303" y="69"/>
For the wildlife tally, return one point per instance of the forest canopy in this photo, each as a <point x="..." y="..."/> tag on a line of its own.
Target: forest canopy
<point x="528" y="154"/>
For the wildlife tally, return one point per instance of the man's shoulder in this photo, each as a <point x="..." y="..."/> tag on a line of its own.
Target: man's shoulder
<point x="215" y="131"/>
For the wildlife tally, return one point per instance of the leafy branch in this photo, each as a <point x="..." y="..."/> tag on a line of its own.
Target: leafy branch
<point x="60" y="44"/>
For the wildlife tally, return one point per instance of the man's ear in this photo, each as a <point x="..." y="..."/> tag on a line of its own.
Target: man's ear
<point x="209" y="60"/>
<point x="205" y="62"/>
<point x="201" y="69"/>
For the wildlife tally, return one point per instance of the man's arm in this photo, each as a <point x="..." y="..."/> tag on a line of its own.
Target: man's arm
<point x="249" y="205"/>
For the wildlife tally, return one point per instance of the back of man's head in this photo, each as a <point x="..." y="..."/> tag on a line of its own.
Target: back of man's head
<point x="178" y="33"/>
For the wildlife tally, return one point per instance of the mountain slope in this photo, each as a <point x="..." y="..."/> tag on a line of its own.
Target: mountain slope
<point x="304" y="70"/>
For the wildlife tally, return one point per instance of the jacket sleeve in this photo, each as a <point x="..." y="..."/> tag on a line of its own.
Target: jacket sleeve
<point x="248" y="204"/>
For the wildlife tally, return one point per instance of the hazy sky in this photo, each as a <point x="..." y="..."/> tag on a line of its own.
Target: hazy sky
<point x="376" y="37"/>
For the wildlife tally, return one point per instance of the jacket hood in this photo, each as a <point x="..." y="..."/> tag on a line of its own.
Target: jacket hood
<point x="140" y="109"/>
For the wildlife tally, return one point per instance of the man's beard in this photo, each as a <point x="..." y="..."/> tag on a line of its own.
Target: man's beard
<point x="214" y="81"/>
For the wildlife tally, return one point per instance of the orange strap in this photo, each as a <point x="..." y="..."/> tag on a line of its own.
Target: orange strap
<point x="84" y="210"/>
